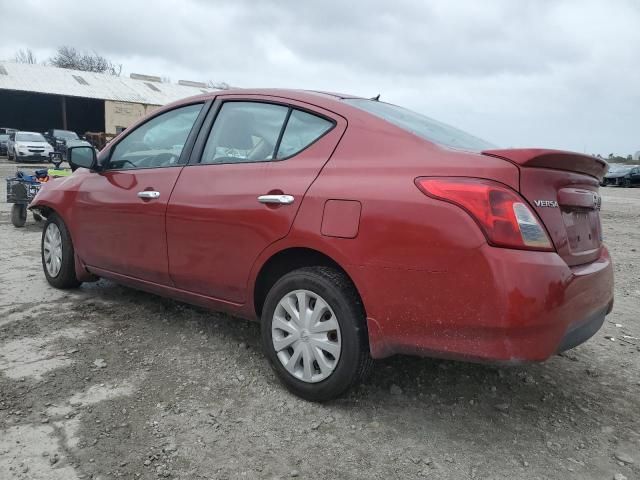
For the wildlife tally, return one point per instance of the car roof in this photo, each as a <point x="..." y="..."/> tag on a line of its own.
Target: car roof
<point x="313" y="97"/>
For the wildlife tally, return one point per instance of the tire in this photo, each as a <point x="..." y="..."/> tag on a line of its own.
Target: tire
<point x="344" y="308"/>
<point x="9" y="157"/>
<point x="626" y="183"/>
<point x="18" y="215"/>
<point x="64" y="276"/>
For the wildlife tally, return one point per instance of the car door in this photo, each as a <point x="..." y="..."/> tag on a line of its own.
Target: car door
<point x="241" y="191"/>
<point x="635" y="176"/>
<point x="119" y="212"/>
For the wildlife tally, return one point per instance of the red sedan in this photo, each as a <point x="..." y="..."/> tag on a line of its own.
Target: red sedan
<point x="351" y="228"/>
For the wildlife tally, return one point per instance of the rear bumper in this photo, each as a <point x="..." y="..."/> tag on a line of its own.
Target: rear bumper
<point x="499" y="305"/>
<point x="580" y="332"/>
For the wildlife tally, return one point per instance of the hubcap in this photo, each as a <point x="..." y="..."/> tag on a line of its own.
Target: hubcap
<point x="52" y="249"/>
<point x="306" y="336"/>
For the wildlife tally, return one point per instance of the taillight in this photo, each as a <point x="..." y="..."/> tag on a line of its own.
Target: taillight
<point x="503" y="215"/>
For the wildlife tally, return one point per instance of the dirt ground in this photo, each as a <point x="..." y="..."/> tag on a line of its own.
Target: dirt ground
<point x="106" y="382"/>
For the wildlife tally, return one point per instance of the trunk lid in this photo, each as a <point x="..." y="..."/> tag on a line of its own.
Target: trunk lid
<point x="562" y="187"/>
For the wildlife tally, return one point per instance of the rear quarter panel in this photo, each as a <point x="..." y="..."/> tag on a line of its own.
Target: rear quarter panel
<point x="401" y="230"/>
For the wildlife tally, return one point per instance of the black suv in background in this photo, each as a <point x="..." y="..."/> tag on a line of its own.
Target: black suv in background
<point x="61" y="139"/>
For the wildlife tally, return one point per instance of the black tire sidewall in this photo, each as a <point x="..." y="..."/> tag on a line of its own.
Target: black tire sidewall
<point x="349" y="316"/>
<point x="66" y="277"/>
<point x="18" y="215"/>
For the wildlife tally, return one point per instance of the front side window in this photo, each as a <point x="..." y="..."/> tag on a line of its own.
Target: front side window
<point x="301" y="131"/>
<point x="244" y="132"/>
<point x="158" y="142"/>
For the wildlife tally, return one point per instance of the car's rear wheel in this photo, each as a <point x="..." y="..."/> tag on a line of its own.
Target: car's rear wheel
<point x="57" y="254"/>
<point x="626" y="183"/>
<point x="314" y="333"/>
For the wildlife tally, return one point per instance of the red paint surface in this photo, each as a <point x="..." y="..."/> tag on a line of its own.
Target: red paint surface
<point x="430" y="283"/>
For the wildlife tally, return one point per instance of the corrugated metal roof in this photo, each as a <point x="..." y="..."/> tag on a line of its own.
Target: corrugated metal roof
<point x="76" y="83"/>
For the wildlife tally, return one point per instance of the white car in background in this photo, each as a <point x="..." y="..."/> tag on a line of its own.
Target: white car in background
<point x="28" y="147"/>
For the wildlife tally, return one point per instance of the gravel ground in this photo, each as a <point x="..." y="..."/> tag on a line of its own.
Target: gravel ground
<point x="107" y="382"/>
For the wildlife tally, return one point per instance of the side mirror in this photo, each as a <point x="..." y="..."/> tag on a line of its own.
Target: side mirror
<point x="82" y="156"/>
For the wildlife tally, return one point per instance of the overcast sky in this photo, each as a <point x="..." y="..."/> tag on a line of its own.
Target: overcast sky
<point x="553" y="73"/>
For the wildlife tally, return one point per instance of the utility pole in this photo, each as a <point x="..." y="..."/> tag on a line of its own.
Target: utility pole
<point x="64" y="112"/>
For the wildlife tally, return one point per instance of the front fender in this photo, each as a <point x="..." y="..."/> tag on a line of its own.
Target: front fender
<point x="58" y="195"/>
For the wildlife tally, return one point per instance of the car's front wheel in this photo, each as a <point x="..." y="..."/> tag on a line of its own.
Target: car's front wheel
<point x="58" y="259"/>
<point x="314" y="333"/>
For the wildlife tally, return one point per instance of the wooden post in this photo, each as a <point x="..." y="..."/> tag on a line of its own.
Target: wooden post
<point x="64" y="112"/>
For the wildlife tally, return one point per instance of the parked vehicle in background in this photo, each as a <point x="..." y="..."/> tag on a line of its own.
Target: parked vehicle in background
<point x="61" y="139"/>
<point x="28" y="147"/>
<point x="351" y="228"/>
<point x="6" y="130"/>
<point x="4" y="138"/>
<point x="622" y="176"/>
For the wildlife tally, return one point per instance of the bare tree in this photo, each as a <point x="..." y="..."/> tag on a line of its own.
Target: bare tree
<point x="25" y="56"/>
<point x="69" y="57"/>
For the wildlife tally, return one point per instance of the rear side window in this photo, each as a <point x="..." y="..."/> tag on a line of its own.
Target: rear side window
<point x="301" y="131"/>
<point x="245" y="132"/>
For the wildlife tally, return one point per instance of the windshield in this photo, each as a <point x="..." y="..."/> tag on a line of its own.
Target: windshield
<point x="29" y="137"/>
<point x="420" y="125"/>
<point x="66" y="135"/>
<point x="3" y="137"/>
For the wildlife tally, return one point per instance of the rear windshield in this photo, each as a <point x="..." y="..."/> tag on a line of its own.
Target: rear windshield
<point x="420" y="125"/>
<point x="29" y="137"/>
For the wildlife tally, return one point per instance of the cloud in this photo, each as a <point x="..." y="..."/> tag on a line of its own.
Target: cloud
<point x="556" y="73"/>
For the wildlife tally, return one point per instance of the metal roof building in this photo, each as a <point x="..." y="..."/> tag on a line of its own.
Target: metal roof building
<point x="38" y="97"/>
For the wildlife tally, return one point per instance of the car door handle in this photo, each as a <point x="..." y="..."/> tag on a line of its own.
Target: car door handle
<point x="279" y="199"/>
<point x="149" y="194"/>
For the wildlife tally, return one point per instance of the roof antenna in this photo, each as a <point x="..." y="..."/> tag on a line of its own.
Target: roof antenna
<point x="376" y="98"/>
